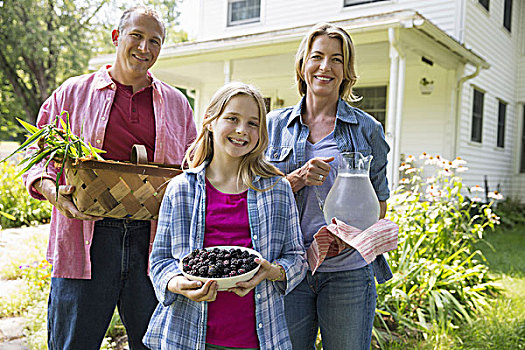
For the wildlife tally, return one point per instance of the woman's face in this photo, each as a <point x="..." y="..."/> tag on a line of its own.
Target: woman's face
<point x="236" y="130"/>
<point x="323" y="69"/>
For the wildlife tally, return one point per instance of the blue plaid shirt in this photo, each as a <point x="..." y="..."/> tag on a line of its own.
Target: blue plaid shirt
<point x="355" y="131"/>
<point x="180" y="323"/>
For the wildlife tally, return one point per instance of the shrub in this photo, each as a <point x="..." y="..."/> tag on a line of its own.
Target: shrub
<point x="512" y="213"/>
<point x="17" y="208"/>
<point x="439" y="280"/>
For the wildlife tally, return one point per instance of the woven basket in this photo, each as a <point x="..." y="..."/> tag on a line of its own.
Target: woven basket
<point x="119" y="189"/>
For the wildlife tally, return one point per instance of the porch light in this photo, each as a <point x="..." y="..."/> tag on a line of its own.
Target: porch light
<point x="426" y="86"/>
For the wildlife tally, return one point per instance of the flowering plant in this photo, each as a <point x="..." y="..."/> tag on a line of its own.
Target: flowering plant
<point x="439" y="278"/>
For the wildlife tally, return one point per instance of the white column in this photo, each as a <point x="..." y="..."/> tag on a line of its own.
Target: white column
<point x="396" y="89"/>
<point x="399" y="119"/>
<point x="390" y="122"/>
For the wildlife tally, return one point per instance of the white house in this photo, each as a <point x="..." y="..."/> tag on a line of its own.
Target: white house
<point x="472" y="50"/>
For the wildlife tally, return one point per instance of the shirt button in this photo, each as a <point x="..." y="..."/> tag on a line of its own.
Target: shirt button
<point x="103" y="118"/>
<point x="254" y="236"/>
<point x="276" y="155"/>
<point x="258" y="296"/>
<point x="87" y="242"/>
<point x="98" y="141"/>
<point x="260" y="325"/>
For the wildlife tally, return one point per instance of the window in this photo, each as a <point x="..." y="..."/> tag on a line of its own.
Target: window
<point x="502" y="112"/>
<point x="507" y="15"/>
<point x="373" y="101"/>
<point x="477" y="116"/>
<point x="522" y="165"/>
<point x="358" y="2"/>
<point x="243" y="11"/>
<point x="485" y="3"/>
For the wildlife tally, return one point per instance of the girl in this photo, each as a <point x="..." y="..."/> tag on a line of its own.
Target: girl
<point x="229" y="196"/>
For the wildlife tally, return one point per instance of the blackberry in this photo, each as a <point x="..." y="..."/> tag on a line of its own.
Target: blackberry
<point x="218" y="263"/>
<point x="203" y="271"/>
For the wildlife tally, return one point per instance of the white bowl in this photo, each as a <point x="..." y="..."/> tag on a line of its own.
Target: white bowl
<point x="226" y="282"/>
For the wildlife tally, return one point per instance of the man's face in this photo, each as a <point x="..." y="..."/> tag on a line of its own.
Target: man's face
<point x="138" y="43"/>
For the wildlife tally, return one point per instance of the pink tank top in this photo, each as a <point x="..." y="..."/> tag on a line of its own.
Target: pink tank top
<point x="231" y="318"/>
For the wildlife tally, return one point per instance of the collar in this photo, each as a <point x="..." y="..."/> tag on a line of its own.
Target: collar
<point x="345" y="112"/>
<point x="103" y="79"/>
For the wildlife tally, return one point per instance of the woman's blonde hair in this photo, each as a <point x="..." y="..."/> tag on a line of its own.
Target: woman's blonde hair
<point x="253" y="163"/>
<point x="349" y="75"/>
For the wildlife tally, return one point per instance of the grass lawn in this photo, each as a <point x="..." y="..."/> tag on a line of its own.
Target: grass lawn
<point x="501" y="325"/>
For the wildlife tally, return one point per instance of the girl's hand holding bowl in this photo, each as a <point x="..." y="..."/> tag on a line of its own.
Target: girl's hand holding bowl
<point x="194" y="290"/>
<point x="267" y="271"/>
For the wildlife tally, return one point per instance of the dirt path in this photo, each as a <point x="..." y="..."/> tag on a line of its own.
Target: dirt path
<point x="12" y="243"/>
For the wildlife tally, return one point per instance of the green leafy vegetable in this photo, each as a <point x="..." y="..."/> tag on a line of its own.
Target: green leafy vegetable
<point x="57" y="143"/>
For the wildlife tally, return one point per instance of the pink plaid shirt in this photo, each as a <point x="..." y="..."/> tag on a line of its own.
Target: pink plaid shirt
<point x="88" y="99"/>
<point x="330" y="240"/>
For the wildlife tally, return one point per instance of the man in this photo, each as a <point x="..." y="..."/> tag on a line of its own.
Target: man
<point x="102" y="263"/>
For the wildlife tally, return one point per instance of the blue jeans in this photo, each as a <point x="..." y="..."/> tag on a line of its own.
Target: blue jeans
<point x="79" y="311"/>
<point x="342" y="304"/>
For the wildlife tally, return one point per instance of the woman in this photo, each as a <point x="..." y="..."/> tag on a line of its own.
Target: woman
<point x="305" y="141"/>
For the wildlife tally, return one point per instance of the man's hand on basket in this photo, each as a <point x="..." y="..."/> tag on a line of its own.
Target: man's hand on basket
<point x="64" y="202"/>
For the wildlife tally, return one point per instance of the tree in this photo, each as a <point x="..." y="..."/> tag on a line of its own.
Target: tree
<point x="10" y="129"/>
<point x="168" y="10"/>
<point x="44" y="42"/>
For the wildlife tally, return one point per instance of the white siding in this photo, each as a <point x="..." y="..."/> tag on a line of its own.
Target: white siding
<point x="278" y="14"/>
<point x="486" y="35"/>
<point x="518" y="184"/>
<point x="521" y="54"/>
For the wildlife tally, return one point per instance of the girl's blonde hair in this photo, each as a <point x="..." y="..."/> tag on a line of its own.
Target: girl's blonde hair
<point x="349" y="75"/>
<point x="253" y="163"/>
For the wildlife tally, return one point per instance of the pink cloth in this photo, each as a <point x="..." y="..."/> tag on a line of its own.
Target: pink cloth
<point x="133" y="120"/>
<point x="89" y="98"/>
<point x="231" y="318"/>
<point x="330" y="240"/>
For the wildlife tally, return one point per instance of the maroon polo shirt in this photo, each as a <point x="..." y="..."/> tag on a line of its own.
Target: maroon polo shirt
<point x="131" y="121"/>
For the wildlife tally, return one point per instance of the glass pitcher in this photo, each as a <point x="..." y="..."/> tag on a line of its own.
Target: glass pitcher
<point x="352" y="198"/>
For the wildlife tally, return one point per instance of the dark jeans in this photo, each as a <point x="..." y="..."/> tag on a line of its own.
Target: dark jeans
<point x="342" y="304"/>
<point x="79" y="311"/>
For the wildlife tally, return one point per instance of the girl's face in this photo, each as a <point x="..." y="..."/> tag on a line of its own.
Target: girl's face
<point x="323" y="69"/>
<point x="236" y="130"/>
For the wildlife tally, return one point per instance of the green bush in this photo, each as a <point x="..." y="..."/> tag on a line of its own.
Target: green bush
<point x="439" y="279"/>
<point x="17" y="208"/>
<point x="512" y="213"/>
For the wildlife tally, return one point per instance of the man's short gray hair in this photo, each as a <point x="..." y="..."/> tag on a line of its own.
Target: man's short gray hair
<point x="146" y="10"/>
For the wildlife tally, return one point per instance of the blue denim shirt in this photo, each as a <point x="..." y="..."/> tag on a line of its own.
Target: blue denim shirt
<point x="355" y="131"/>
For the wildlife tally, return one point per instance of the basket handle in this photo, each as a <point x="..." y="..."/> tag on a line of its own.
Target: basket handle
<point x="139" y="155"/>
